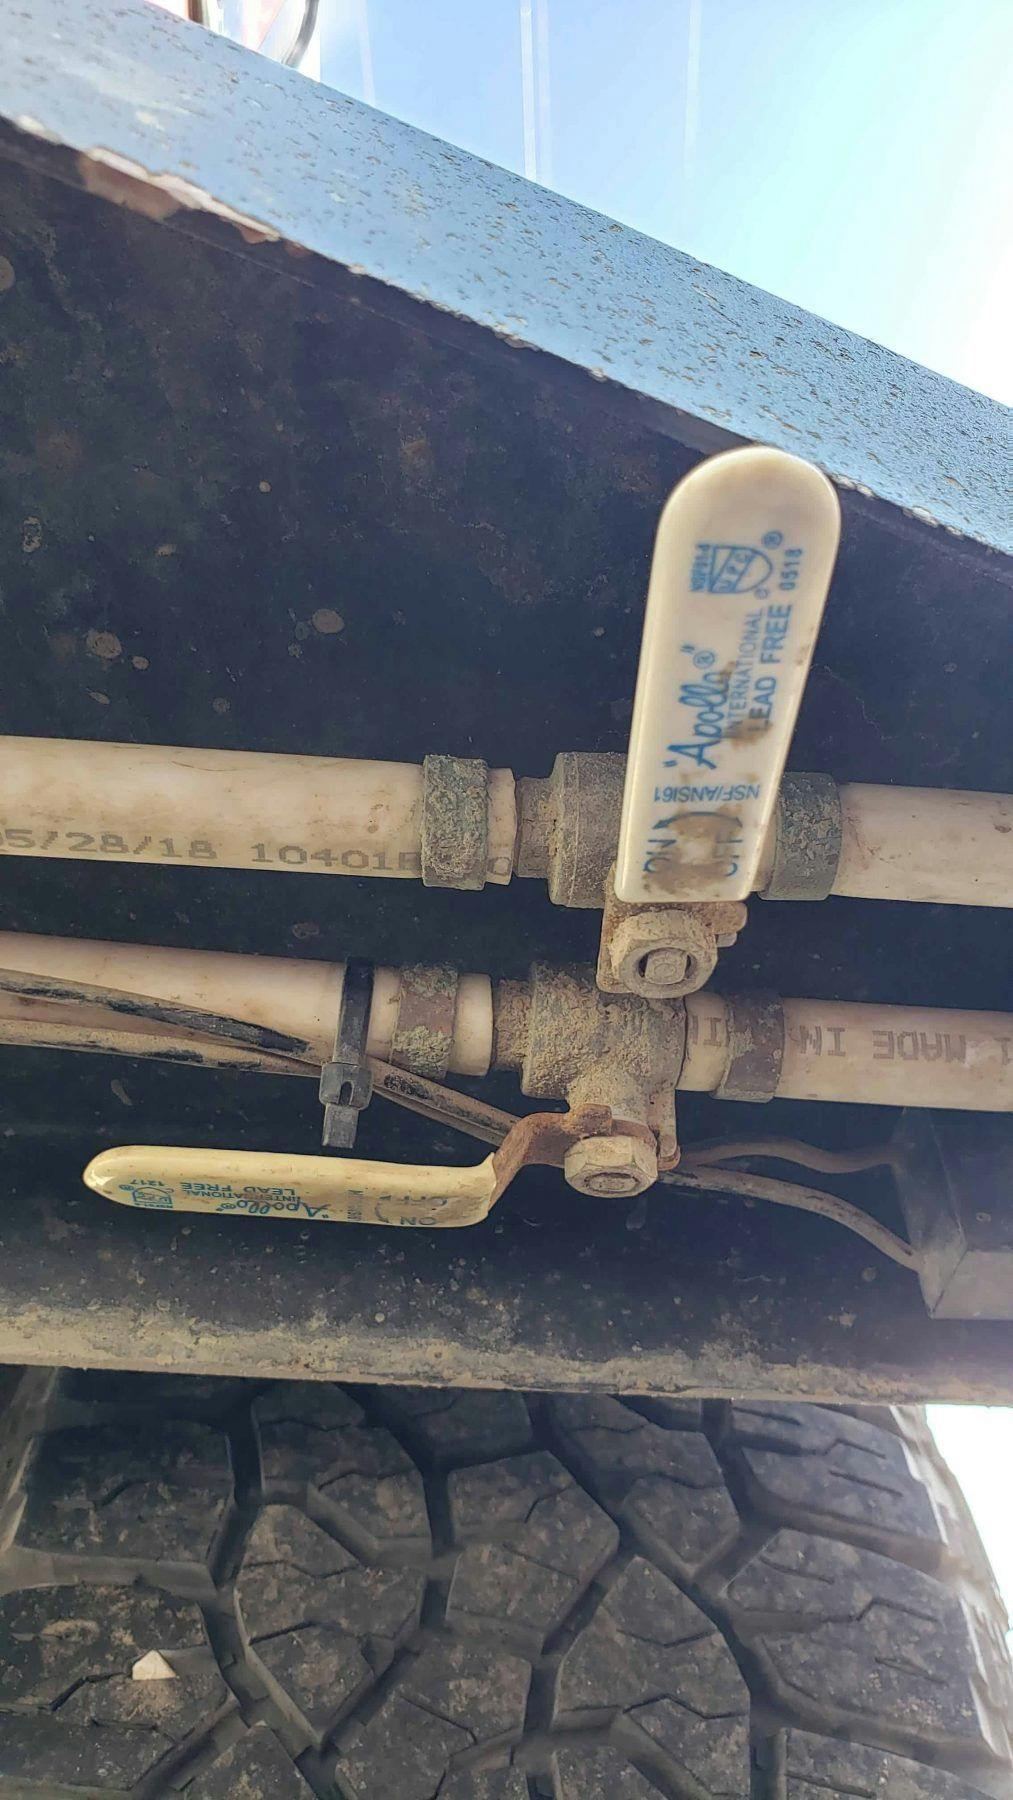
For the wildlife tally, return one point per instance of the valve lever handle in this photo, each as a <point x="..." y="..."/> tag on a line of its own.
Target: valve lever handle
<point x="264" y="1184"/>
<point x="258" y="1184"/>
<point x="745" y="550"/>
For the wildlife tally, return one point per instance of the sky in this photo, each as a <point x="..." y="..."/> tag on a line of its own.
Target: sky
<point x="849" y="155"/>
<point x="977" y="1442"/>
<point x="852" y="156"/>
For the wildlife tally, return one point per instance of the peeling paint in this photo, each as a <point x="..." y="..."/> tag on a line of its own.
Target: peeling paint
<point x="159" y="195"/>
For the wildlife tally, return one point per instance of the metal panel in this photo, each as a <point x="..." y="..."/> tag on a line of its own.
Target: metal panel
<point x="553" y="1291"/>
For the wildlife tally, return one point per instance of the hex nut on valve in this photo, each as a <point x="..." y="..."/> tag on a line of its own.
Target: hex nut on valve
<point x="611" y="1167"/>
<point x="658" y="955"/>
<point x="661" y="950"/>
<point x="666" y="968"/>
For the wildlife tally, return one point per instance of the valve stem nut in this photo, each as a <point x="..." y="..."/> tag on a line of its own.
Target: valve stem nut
<point x="666" y="968"/>
<point x="611" y="1167"/>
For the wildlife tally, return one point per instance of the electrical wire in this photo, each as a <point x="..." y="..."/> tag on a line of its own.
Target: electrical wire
<point x="443" y="1105"/>
<point x="57" y="990"/>
<point x="184" y="1034"/>
<point x="187" y="1034"/>
<point x="149" y="1043"/>
<point x="792" y="1150"/>
<point x="807" y="1199"/>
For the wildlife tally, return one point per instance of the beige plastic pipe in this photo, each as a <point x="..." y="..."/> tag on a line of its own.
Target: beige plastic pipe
<point x="875" y="1055"/>
<point x="239" y="809"/>
<point x="834" y="1050"/>
<point x="929" y="844"/>
<point x="925" y="844"/>
<point x="298" y="998"/>
<point x="243" y="809"/>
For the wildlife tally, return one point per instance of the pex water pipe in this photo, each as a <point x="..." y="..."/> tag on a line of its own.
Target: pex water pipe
<point x="240" y="809"/>
<point x="827" y="1049"/>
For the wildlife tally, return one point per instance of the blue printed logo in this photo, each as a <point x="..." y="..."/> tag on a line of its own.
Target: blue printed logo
<point x="150" y="1193"/>
<point x="728" y="569"/>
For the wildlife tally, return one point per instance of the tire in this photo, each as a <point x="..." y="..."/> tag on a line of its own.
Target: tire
<point x="401" y="1594"/>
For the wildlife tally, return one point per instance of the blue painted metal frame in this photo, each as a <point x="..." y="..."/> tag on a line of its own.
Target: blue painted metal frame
<point x="217" y="132"/>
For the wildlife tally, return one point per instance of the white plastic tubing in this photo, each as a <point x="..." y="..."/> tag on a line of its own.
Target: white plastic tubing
<point x="241" y="809"/>
<point x="926" y="844"/>
<point x="876" y="1055"/>
<point x="237" y="809"/>
<point x="300" y="999"/>
<point x="929" y="844"/>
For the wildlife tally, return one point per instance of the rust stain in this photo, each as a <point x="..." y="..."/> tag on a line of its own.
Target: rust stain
<point x="59" y="451"/>
<point x="706" y="838"/>
<point x="104" y="645"/>
<point x="327" y="622"/>
<point x="417" y="449"/>
<point x="745" y="730"/>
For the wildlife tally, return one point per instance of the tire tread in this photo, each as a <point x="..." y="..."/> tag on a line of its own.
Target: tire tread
<point x="411" y="1594"/>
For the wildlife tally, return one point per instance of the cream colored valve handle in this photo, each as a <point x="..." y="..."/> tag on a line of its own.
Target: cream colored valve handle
<point x="252" y="1184"/>
<point x="742" y="562"/>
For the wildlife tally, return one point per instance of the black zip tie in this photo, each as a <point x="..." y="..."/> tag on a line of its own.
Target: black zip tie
<point x="346" y="1082"/>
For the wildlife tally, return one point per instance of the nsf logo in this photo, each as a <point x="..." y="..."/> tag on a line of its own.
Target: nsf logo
<point x="148" y="1192"/>
<point x="728" y="569"/>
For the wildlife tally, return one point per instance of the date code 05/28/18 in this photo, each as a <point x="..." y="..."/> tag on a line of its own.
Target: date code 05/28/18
<point x="22" y="840"/>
